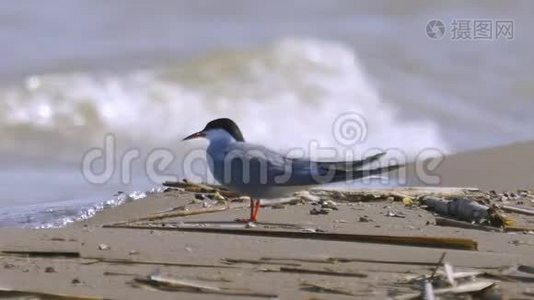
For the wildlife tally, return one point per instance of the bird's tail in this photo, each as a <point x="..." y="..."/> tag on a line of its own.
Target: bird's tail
<point x="348" y="166"/>
<point x="343" y="175"/>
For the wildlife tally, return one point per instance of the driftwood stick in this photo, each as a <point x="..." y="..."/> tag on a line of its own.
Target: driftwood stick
<point x="9" y="292"/>
<point x="332" y="260"/>
<point x="418" y="241"/>
<point x="42" y="253"/>
<point x="179" y="285"/>
<point x="518" y="229"/>
<point x="175" y="214"/>
<point x="518" y="210"/>
<point x="201" y="188"/>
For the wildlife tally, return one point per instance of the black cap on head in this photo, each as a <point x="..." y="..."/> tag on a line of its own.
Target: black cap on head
<point x="228" y="125"/>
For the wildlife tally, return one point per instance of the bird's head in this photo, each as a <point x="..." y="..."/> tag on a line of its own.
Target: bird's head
<point x="219" y="127"/>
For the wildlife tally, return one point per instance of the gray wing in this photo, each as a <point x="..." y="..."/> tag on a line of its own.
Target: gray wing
<point x="266" y="166"/>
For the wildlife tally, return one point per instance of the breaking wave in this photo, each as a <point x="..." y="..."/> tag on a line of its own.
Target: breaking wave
<point x="283" y="95"/>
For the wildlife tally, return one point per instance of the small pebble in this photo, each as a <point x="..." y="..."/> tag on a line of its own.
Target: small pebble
<point x="75" y="281"/>
<point x="329" y="204"/>
<point x="316" y="211"/>
<point x="250" y="225"/>
<point x="133" y="252"/>
<point x="103" y="247"/>
<point x="9" y="266"/>
<point x="50" y="270"/>
<point x="394" y="214"/>
<point x="200" y="196"/>
<point x="365" y="219"/>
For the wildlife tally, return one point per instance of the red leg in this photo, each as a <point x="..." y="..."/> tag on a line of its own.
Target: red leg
<point x="252" y="211"/>
<point x="256" y="211"/>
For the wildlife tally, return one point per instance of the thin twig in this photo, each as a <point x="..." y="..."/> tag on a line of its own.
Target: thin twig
<point x="331" y="260"/>
<point x="418" y="241"/>
<point x="175" y="214"/>
<point x="256" y="262"/>
<point x="440" y="262"/>
<point x="159" y="263"/>
<point x="322" y="272"/>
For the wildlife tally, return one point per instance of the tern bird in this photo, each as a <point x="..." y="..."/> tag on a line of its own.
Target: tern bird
<point x="261" y="173"/>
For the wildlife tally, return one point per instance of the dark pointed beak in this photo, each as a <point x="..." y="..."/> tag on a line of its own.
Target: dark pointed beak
<point x="195" y="135"/>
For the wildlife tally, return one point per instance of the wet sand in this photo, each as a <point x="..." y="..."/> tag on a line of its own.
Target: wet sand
<point x="90" y="260"/>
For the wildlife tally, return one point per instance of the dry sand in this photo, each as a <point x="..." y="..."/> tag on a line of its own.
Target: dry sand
<point x="501" y="168"/>
<point x="99" y="262"/>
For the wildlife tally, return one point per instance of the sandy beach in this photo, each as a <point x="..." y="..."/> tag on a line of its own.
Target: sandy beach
<point x="499" y="168"/>
<point x="196" y="245"/>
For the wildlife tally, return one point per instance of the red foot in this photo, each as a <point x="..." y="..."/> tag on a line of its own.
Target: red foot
<point x="254" y="209"/>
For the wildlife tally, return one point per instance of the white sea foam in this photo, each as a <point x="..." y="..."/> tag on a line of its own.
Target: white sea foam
<point x="60" y="214"/>
<point x="284" y="95"/>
